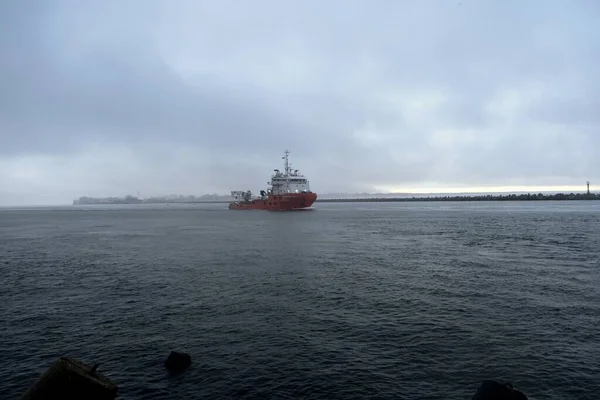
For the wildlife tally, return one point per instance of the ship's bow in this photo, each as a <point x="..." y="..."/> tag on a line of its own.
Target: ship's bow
<point x="310" y="199"/>
<point x="303" y="200"/>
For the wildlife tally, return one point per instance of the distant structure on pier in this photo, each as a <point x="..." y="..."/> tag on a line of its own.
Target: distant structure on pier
<point x="588" y="187"/>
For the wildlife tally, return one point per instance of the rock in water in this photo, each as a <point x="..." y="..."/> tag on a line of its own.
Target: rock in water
<point x="70" y="379"/>
<point x="492" y="390"/>
<point x="178" y="362"/>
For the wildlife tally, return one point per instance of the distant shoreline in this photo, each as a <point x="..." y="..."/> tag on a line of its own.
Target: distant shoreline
<point x="510" y="197"/>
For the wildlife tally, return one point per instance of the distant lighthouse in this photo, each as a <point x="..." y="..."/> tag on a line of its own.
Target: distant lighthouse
<point x="588" y="187"/>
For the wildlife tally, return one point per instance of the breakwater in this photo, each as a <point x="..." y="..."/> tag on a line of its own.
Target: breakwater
<point x="509" y="197"/>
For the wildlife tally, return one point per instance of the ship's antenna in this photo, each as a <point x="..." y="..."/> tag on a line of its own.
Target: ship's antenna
<point x="287" y="164"/>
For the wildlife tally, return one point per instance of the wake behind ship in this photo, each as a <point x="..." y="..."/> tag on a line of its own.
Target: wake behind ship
<point x="289" y="190"/>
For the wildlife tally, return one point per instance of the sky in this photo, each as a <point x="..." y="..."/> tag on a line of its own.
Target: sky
<point x="113" y="97"/>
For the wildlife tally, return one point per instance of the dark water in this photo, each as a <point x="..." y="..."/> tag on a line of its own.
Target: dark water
<point x="410" y="300"/>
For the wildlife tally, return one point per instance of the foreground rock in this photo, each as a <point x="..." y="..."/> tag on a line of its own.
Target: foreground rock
<point x="68" y="379"/>
<point x="492" y="390"/>
<point x="178" y="362"/>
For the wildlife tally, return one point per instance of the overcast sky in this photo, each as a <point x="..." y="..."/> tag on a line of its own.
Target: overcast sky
<point x="185" y="96"/>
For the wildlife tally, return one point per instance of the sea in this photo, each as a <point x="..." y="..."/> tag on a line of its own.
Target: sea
<point x="343" y="301"/>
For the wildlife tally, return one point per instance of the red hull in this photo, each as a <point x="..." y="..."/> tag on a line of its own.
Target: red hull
<point x="283" y="202"/>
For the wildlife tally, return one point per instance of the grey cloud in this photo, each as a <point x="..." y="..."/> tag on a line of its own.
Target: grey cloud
<point x="134" y="101"/>
<point x="240" y="80"/>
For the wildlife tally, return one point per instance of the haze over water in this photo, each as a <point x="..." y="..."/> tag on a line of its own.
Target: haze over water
<point x="394" y="300"/>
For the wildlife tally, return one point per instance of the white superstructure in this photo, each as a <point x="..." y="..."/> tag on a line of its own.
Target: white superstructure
<point x="288" y="181"/>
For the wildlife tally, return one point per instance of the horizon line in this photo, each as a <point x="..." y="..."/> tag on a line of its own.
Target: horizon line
<point x="406" y="191"/>
<point x="477" y="191"/>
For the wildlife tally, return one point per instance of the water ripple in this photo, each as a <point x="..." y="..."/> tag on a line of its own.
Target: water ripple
<point x="348" y="301"/>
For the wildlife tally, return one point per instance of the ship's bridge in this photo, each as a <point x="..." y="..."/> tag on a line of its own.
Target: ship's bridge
<point x="289" y="181"/>
<point x="289" y="184"/>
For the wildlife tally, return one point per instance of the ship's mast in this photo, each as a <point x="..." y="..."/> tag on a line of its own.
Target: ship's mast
<point x="287" y="164"/>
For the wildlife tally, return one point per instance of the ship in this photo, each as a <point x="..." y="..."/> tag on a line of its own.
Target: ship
<point x="287" y="191"/>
